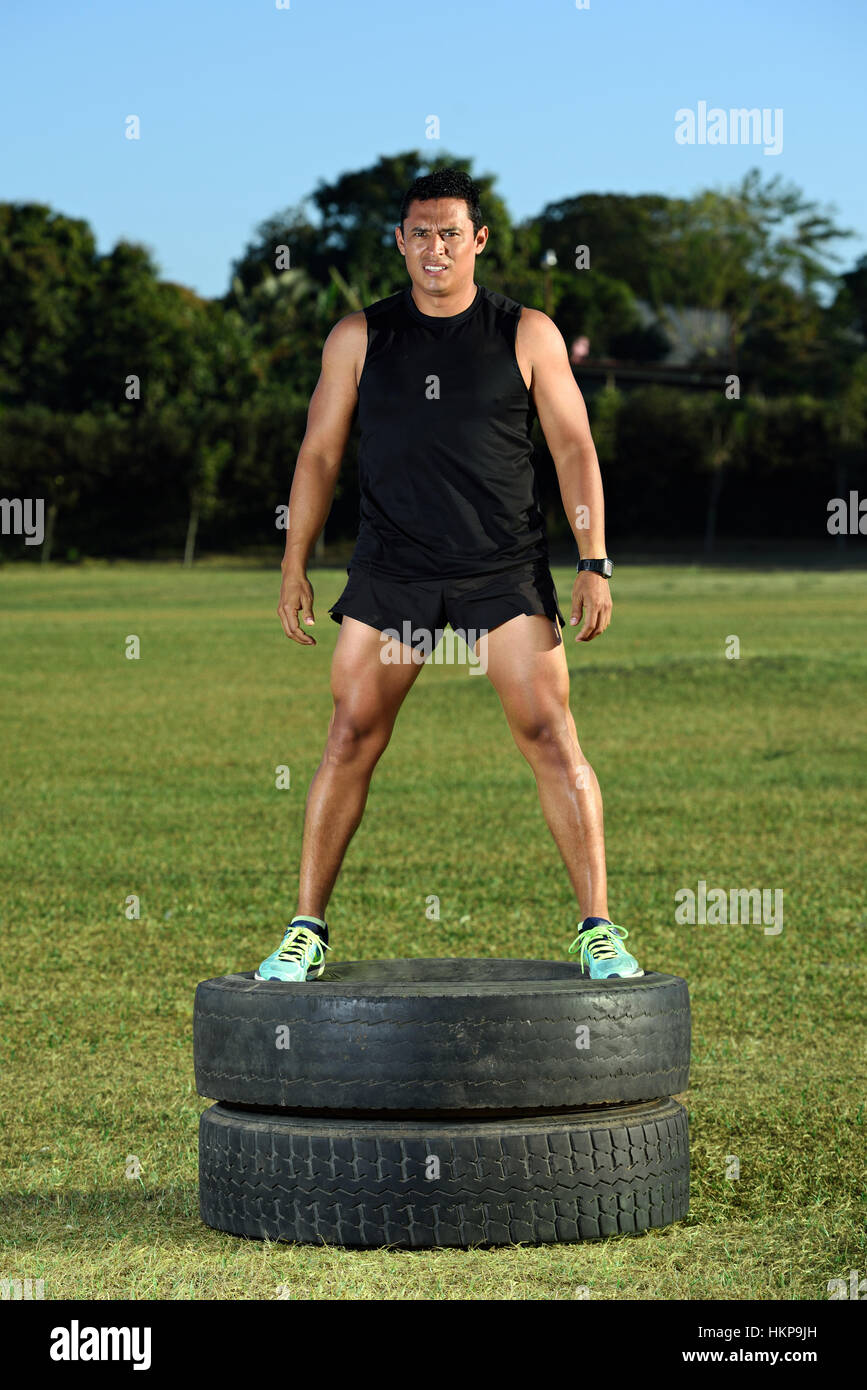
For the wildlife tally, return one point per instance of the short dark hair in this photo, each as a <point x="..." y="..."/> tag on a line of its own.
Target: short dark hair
<point x="444" y="183"/>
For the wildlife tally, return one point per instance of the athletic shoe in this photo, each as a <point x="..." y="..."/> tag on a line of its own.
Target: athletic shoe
<point x="300" y="956"/>
<point x="600" y="948"/>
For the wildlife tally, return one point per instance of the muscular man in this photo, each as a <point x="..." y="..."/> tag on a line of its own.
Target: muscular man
<point x="445" y="375"/>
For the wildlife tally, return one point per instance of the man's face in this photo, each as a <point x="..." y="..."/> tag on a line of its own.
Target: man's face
<point x="439" y="245"/>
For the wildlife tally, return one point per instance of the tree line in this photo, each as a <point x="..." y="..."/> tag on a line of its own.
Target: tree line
<point x="721" y="349"/>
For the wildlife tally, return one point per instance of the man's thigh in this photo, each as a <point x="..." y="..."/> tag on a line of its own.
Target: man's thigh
<point x="368" y="681"/>
<point x="525" y="661"/>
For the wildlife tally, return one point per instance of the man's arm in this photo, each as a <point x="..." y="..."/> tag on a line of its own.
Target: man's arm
<point x="563" y="418"/>
<point x="329" y="419"/>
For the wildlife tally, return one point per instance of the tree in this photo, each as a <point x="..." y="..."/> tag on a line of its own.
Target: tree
<point x="60" y="459"/>
<point x="852" y="298"/>
<point x="728" y="423"/>
<point x="846" y="417"/>
<point x="49" y="269"/>
<point x="135" y="325"/>
<point x="222" y="373"/>
<point x="623" y="233"/>
<point x="725" y="250"/>
<point x="755" y="250"/>
<point x="355" y="238"/>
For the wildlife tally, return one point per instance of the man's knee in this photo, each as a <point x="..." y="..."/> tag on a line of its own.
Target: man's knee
<point x="356" y="735"/>
<point x="543" y="730"/>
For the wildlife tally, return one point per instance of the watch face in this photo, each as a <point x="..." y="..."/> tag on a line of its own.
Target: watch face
<point x="607" y="568"/>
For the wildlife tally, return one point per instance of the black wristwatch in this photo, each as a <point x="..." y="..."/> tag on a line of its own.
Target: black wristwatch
<point x="603" y="567"/>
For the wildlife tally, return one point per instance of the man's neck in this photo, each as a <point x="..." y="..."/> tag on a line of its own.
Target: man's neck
<point x="444" y="306"/>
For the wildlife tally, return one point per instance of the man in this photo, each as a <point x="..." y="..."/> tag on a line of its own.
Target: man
<point x="445" y="375"/>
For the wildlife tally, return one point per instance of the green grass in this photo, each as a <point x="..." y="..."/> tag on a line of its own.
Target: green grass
<point x="156" y="777"/>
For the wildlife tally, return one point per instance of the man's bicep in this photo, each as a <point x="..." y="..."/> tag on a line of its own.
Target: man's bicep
<point x="558" y="401"/>
<point x="332" y="405"/>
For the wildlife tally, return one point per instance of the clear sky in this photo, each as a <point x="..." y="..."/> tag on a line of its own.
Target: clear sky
<point x="244" y="107"/>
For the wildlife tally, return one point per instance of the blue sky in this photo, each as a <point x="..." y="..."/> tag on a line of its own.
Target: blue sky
<point x="245" y="107"/>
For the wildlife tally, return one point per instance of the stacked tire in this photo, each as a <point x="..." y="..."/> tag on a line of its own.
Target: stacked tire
<point x="443" y="1103"/>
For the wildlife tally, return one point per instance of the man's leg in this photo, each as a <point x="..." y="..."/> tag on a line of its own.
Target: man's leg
<point x="526" y="663"/>
<point x="367" y="693"/>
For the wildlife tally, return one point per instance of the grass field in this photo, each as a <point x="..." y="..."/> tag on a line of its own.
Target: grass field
<point x="156" y="777"/>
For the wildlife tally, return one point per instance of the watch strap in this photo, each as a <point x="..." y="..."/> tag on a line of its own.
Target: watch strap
<point x="602" y="566"/>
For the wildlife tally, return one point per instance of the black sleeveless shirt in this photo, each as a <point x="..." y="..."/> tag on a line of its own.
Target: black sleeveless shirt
<point x="448" y="488"/>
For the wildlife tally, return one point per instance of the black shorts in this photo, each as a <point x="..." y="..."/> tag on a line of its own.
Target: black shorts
<point x="471" y="606"/>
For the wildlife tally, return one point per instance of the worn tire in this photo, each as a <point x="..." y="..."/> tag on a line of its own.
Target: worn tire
<point x="450" y="1037"/>
<point x="546" y="1179"/>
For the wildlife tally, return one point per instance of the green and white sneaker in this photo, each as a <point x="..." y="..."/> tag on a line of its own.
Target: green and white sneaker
<point x="300" y="955"/>
<point x="600" y="950"/>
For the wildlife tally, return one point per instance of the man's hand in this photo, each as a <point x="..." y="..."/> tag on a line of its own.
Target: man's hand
<point x="296" y="595"/>
<point x="592" y="597"/>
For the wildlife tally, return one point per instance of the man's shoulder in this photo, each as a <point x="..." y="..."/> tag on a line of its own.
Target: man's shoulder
<point x="538" y="329"/>
<point x="382" y="307"/>
<point x="502" y="303"/>
<point x="345" y="345"/>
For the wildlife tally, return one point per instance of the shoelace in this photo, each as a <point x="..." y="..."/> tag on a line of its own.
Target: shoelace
<point x="596" y="943"/>
<point x="298" y="942"/>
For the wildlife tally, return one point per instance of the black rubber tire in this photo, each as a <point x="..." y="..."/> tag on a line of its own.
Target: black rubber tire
<point x="449" y="1037"/>
<point x="539" y="1180"/>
